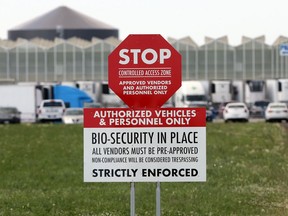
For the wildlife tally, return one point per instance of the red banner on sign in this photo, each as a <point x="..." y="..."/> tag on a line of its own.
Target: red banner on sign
<point x="125" y="117"/>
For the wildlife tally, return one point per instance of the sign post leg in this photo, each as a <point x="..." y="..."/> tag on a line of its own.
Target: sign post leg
<point x="132" y="199"/>
<point x="158" y="199"/>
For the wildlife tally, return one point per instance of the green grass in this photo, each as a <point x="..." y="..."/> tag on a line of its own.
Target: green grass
<point x="41" y="173"/>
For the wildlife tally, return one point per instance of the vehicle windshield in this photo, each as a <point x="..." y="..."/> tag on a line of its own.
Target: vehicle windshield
<point x="261" y="103"/>
<point x="278" y="106"/>
<point x="196" y="98"/>
<point x="52" y="104"/>
<point x="255" y="85"/>
<point x="8" y="110"/>
<point x="236" y="106"/>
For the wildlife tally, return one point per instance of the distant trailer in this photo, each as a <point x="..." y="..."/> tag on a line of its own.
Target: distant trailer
<point x="254" y="90"/>
<point x="277" y="90"/>
<point x="283" y="90"/>
<point x="25" y="98"/>
<point x="221" y="91"/>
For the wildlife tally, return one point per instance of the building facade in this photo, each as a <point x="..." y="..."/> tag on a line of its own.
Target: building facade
<point x="74" y="59"/>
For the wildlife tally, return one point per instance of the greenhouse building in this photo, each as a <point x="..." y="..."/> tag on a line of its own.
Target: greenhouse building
<point x="42" y="60"/>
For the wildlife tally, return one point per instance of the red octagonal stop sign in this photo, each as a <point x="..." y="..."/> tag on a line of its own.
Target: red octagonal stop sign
<point x="144" y="71"/>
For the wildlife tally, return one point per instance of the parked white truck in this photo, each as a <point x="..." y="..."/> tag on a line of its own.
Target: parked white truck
<point x="25" y="98"/>
<point x="190" y="94"/>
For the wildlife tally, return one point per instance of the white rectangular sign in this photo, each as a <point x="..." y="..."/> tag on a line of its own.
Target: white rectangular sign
<point x="165" y="145"/>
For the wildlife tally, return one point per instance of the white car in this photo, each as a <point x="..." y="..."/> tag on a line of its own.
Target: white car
<point x="73" y="116"/>
<point x="51" y="110"/>
<point x="276" y="112"/>
<point x="236" y="111"/>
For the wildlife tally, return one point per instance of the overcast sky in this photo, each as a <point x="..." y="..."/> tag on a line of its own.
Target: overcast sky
<point x="170" y="18"/>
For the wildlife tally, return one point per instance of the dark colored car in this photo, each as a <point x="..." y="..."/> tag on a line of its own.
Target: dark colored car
<point x="209" y="116"/>
<point x="258" y="108"/>
<point x="9" y="115"/>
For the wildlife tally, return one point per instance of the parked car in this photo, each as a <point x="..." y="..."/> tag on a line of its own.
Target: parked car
<point x="221" y="108"/>
<point x="51" y="110"/>
<point x="209" y="116"/>
<point x="73" y="116"/>
<point x="258" y="108"/>
<point x="9" y="115"/>
<point x="236" y="111"/>
<point x="276" y="112"/>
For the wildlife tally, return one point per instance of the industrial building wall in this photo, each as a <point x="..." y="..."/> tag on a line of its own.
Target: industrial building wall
<point x="70" y="60"/>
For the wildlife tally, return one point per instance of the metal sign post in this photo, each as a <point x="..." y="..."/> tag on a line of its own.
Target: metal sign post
<point x="132" y="199"/>
<point x="158" y="199"/>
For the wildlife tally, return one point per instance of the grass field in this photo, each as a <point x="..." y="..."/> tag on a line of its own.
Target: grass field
<point x="41" y="173"/>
